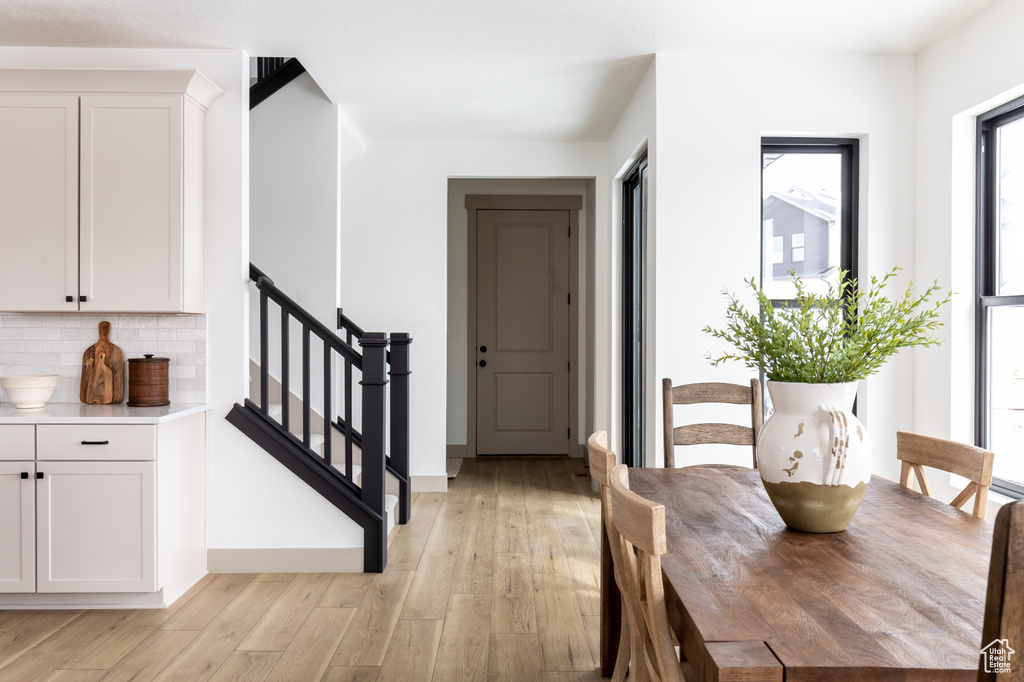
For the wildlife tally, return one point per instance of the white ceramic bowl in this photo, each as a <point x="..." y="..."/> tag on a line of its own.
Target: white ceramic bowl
<point x="30" y="391"/>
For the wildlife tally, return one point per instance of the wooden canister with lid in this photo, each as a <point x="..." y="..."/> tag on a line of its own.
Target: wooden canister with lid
<point x="147" y="381"/>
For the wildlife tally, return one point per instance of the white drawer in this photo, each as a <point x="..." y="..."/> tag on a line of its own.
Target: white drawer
<point x="17" y="442"/>
<point x="96" y="442"/>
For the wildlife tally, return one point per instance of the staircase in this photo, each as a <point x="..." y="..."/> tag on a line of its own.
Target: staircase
<point x="348" y="466"/>
<point x="272" y="74"/>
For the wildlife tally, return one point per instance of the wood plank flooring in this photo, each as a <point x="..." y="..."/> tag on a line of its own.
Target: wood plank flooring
<point x="497" y="579"/>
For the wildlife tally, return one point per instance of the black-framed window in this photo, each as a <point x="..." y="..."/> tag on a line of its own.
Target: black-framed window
<point x="999" y="395"/>
<point x="808" y="213"/>
<point x="634" y="273"/>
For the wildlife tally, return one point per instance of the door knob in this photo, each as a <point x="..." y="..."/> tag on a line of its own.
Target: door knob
<point x="483" y="349"/>
<point x="483" y="363"/>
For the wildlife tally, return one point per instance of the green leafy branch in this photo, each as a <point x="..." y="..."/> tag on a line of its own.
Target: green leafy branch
<point x="843" y="335"/>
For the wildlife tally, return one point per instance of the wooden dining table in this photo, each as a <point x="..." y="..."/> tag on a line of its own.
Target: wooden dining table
<point x="898" y="595"/>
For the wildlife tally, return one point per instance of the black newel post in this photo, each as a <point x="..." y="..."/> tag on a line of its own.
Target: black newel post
<point x="400" y="420"/>
<point x="374" y="383"/>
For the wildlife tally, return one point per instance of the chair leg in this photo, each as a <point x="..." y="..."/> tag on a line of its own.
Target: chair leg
<point x="639" y="668"/>
<point x="622" y="657"/>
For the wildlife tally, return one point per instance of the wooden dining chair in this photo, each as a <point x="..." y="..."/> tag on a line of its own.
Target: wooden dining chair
<point x="1003" y="627"/>
<point x="640" y="526"/>
<point x="916" y="451"/>
<point x="716" y="433"/>
<point x="602" y="460"/>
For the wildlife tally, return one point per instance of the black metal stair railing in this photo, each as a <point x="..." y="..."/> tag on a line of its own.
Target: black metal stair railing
<point x="397" y="460"/>
<point x="362" y="499"/>
<point x="272" y="74"/>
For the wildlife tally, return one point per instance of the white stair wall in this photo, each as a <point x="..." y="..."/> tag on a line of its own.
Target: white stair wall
<point x="317" y="445"/>
<point x="316" y="424"/>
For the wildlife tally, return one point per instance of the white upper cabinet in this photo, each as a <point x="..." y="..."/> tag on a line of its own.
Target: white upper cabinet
<point x="102" y="190"/>
<point x="38" y="201"/>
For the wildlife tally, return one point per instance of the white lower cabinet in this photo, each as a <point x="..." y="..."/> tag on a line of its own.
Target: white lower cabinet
<point x="124" y="528"/>
<point x="17" y="526"/>
<point x="96" y="527"/>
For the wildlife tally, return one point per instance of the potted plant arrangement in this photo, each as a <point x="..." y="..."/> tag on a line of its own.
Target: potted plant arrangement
<point x="813" y="455"/>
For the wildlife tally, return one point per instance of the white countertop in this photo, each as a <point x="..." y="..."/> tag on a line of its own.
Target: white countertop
<point x="80" y="413"/>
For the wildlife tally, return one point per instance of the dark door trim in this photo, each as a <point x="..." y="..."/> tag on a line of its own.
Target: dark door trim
<point x="634" y="300"/>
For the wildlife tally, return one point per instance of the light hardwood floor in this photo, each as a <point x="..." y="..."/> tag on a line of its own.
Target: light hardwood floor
<point x="497" y="579"/>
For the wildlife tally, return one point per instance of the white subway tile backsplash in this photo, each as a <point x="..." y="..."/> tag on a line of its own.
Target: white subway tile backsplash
<point x="182" y="372"/>
<point x="54" y="344"/>
<point x="89" y="334"/>
<point x="176" y="346"/>
<point x="23" y="346"/>
<point x="41" y="358"/>
<point x="41" y="333"/>
<point x="23" y="321"/>
<point x="157" y="334"/>
<point x="191" y="335"/>
<point x="61" y="346"/>
<point x="176" y="321"/>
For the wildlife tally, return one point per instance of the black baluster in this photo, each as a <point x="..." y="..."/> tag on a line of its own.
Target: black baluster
<point x="328" y="385"/>
<point x="264" y="353"/>
<point x="285" y="369"/>
<point x="305" y="386"/>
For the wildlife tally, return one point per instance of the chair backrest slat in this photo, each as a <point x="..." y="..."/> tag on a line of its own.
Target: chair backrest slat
<point x="703" y="434"/>
<point x="916" y="451"/>
<point x="691" y="394"/>
<point x="601" y="458"/>
<point x="1004" y="603"/>
<point x="639" y="520"/>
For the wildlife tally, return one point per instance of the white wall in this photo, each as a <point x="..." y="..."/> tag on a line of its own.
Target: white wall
<point x="394" y="222"/>
<point x="458" y="313"/>
<point x="253" y="502"/>
<point x="635" y="133"/>
<point x="293" y="218"/>
<point x="712" y="110"/>
<point x="972" y="69"/>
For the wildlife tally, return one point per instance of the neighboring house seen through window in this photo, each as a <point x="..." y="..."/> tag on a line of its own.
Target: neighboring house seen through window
<point x="1000" y="286"/>
<point x="808" y="214"/>
<point x="808" y="205"/>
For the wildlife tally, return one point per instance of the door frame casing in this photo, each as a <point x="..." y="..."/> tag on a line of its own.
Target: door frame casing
<point x="523" y="202"/>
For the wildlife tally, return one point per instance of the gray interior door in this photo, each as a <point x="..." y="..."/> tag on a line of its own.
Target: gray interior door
<point x="522" y="371"/>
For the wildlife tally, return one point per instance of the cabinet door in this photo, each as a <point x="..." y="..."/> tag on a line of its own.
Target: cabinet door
<point x="131" y="224"/>
<point x="17" y="527"/>
<point x="96" y="527"/>
<point x="38" y="202"/>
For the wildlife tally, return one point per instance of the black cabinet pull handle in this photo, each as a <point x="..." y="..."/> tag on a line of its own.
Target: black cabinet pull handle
<point x="483" y="349"/>
<point x="24" y="474"/>
<point x="82" y="299"/>
<point x="69" y="299"/>
<point x="483" y="363"/>
<point x="95" y="442"/>
<point x="39" y="474"/>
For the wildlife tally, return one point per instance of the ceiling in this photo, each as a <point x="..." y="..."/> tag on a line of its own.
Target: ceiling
<point x="483" y="69"/>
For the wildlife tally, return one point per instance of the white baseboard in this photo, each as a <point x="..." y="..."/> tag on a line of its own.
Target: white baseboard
<point x="285" y="560"/>
<point x="430" y="484"/>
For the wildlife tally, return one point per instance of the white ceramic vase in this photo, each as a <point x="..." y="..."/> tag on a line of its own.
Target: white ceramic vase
<point x="814" y="456"/>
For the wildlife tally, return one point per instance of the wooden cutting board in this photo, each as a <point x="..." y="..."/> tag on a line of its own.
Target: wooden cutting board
<point x="102" y="371"/>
